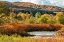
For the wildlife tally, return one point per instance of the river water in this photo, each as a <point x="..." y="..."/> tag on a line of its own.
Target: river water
<point x="42" y="33"/>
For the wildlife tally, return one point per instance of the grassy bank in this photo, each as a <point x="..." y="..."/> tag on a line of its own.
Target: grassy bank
<point x="17" y="38"/>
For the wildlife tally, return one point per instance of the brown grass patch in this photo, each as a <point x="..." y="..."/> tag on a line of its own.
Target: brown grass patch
<point x="23" y="28"/>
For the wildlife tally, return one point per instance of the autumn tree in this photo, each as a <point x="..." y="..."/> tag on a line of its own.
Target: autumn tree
<point x="24" y="16"/>
<point x="60" y="18"/>
<point x="42" y="19"/>
<point x="31" y="14"/>
<point x="12" y="18"/>
<point x="19" y="17"/>
<point x="30" y="20"/>
<point x="37" y="15"/>
<point x="51" y="19"/>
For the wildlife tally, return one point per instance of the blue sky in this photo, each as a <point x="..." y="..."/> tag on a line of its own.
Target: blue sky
<point x="59" y="3"/>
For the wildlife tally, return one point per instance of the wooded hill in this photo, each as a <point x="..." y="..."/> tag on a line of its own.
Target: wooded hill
<point x="27" y="7"/>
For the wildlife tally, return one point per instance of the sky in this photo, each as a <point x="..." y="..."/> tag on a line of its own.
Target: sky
<point x="59" y="3"/>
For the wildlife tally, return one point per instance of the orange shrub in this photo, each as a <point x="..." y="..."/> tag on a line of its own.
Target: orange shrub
<point x="23" y="28"/>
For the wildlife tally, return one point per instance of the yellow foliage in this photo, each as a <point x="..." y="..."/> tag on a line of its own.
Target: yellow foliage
<point x="25" y="15"/>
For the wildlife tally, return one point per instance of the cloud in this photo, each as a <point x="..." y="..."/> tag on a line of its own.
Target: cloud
<point x="59" y="3"/>
<point x="33" y="1"/>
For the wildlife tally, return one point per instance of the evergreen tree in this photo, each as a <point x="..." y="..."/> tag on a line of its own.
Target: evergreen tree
<point x="3" y="8"/>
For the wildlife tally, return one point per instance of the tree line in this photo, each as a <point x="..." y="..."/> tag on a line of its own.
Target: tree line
<point x="6" y="16"/>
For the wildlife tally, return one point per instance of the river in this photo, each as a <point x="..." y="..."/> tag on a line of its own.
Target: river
<point x="42" y="33"/>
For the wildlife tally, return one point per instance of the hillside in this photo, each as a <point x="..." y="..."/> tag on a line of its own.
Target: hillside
<point x="27" y="7"/>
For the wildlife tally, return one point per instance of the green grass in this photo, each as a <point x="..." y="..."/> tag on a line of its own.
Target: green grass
<point x="18" y="38"/>
<point x="15" y="38"/>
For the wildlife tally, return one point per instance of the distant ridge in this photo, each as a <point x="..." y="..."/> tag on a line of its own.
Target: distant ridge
<point x="27" y="6"/>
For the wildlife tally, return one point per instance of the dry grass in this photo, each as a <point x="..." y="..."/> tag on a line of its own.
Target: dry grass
<point x="52" y="39"/>
<point x="60" y="32"/>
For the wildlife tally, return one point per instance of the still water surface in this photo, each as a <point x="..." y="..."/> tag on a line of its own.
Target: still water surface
<point x="41" y="33"/>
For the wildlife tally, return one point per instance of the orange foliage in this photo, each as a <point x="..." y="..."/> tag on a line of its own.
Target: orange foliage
<point x="22" y="28"/>
<point x="11" y="14"/>
<point x="25" y="15"/>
